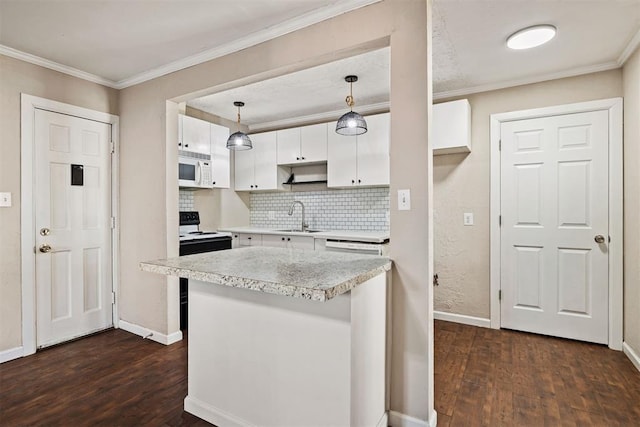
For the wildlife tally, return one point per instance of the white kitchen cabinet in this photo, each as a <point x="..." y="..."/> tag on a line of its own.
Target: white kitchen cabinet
<point x="194" y="135"/>
<point x="451" y="131"/>
<point x="361" y="160"/>
<point x="220" y="156"/>
<point x="257" y="169"/>
<point x="302" y="145"/>
<point x="291" y="242"/>
<point x="249" y="239"/>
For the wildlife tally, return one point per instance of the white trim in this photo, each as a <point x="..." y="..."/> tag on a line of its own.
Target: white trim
<point x="11" y="354"/>
<point x="212" y="414"/>
<point x="528" y="80"/>
<point x="52" y="65"/>
<point x="28" y="105"/>
<point x="614" y="106"/>
<point x="384" y="420"/>
<point x="631" y="47"/>
<point x="462" y="318"/>
<point x="632" y="355"/>
<point x="150" y="333"/>
<point x="381" y="107"/>
<point x="397" y="419"/>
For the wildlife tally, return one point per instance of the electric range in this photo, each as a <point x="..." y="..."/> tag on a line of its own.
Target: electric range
<point x="195" y="241"/>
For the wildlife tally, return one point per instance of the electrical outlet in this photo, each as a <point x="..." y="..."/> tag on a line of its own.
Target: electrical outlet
<point x="467" y="218"/>
<point x="5" y="200"/>
<point x="404" y="200"/>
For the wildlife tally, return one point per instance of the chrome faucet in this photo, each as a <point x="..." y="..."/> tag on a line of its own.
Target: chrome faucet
<point x="293" y="205"/>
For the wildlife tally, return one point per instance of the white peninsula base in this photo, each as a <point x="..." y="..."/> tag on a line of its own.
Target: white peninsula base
<point x="258" y="359"/>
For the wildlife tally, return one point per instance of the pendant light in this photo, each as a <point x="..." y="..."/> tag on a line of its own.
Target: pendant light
<point x="239" y="140"/>
<point x="351" y="123"/>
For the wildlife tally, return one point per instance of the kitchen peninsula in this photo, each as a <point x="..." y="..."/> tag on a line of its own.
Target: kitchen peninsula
<point x="285" y="337"/>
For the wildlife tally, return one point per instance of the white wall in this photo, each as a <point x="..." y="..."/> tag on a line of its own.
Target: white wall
<point x="462" y="184"/>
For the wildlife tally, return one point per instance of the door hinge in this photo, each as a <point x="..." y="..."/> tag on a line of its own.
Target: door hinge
<point x="112" y="147"/>
<point x="500" y="145"/>
<point x="435" y="280"/>
<point x="113" y="297"/>
<point x="500" y="220"/>
<point x="500" y="295"/>
<point x="113" y="222"/>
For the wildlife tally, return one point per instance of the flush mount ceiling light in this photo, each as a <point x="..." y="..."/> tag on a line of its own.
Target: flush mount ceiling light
<point x="239" y="140"/>
<point x="351" y="123"/>
<point x="531" y="37"/>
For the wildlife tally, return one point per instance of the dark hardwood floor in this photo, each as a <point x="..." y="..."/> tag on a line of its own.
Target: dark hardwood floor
<point x="482" y="377"/>
<point x="487" y="377"/>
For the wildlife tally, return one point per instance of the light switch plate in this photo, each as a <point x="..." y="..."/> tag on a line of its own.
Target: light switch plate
<point x="5" y="200"/>
<point x="467" y="218"/>
<point x="404" y="200"/>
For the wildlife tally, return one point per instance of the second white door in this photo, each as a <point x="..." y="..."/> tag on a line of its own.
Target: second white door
<point x="554" y="235"/>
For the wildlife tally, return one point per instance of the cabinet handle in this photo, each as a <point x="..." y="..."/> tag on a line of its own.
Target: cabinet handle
<point x="186" y="145"/>
<point x="214" y="183"/>
<point x="235" y="237"/>
<point x="288" y="239"/>
<point x="353" y="181"/>
<point x="283" y="239"/>
<point x="256" y="185"/>
<point x="359" y="181"/>
<point x="179" y="144"/>
<point x="303" y="158"/>
<point x="248" y="238"/>
<point x="297" y="158"/>
<point x="251" y="185"/>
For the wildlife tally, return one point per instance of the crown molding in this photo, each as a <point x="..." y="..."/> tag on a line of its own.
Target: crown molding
<point x="52" y="65"/>
<point x="529" y="80"/>
<point x="253" y="39"/>
<point x="327" y="116"/>
<point x="631" y="47"/>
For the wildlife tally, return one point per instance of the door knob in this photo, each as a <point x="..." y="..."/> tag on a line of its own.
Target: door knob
<point x="44" y="248"/>
<point x="45" y="231"/>
<point x="599" y="238"/>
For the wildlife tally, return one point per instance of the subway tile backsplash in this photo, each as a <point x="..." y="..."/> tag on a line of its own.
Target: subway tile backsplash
<point x="349" y="209"/>
<point x="185" y="200"/>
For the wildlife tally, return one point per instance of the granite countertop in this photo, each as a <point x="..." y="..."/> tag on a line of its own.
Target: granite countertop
<point x="317" y="276"/>
<point x="351" y="235"/>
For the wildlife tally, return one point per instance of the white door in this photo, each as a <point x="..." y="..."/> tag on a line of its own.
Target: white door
<point x="73" y="211"/>
<point x="554" y="234"/>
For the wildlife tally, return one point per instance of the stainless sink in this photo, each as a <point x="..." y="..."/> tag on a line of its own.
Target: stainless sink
<point x="299" y="231"/>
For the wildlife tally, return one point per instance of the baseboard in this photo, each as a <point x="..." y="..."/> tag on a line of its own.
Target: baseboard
<point x="632" y="355"/>
<point x="150" y="334"/>
<point x="461" y="318"/>
<point x="211" y="414"/>
<point x="396" y="419"/>
<point x="384" y="421"/>
<point x="11" y="354"/>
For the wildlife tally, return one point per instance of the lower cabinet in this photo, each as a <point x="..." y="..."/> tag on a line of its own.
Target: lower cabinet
<point x="292" y="242"/>
<point x="246" y="239"/>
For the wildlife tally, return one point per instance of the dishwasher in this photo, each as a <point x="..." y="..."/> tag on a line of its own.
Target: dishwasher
<point x="355" y="247"/>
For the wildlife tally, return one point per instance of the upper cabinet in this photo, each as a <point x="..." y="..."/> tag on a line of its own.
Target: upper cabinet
<point x="302" y="145"/>
<point x="220" y="156"/>
<point x="209" y="141"/>
<point x="257" y="169"/>
<point x="361" y="160"/>
<point x="193" y="135"/>
<point x="451" y="131"/>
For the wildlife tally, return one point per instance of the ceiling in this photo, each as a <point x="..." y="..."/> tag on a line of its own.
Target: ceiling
<point x="117" y="45"/>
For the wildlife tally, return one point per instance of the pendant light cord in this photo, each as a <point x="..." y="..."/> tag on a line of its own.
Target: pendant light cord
<point x="349" y="100"/>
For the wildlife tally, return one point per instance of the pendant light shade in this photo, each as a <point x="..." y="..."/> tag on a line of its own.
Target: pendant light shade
<point x="239" y="140"/>
<point x="351" y="123"/>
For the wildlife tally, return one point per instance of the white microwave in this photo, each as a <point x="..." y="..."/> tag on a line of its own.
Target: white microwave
<point x="194" y="173"/>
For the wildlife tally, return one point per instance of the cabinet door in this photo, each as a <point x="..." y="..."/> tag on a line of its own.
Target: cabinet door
<point x="266" y="167"/>
<point x="220" y="156"/>
<point x="300" y="242"/>
<point x="288" y="146"/>
<point x="250" y="239"/>
<point x="196" y="135"/>
<point x="313" y="143"/>
<point x="244" y="170"/>
<point x="274" y="241"/>
<point x="451" y="131"/>
<point x="180" y="132"/>
<point x="235" y="241"/>
<point x="373" y="151"/>
<point x="341" y="159"/>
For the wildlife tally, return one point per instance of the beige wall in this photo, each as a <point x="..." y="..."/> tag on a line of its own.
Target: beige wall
<point x="631" y="84"/>
<point x="145" y="222"/>
<point x="462" y="184"/>
<point x="18" y="77"/>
